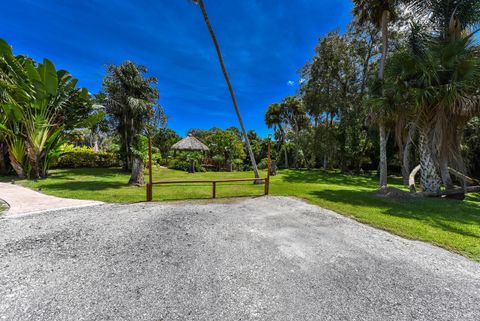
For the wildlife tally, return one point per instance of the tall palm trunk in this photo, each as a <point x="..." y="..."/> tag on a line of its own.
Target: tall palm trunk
<point x="407" y="151"/>
<point x="429" y="178"/>
<point x="381" y="71"/>
<point x="230" y="88"/>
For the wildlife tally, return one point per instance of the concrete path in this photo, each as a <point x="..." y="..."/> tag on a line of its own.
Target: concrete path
<point x="24" y="201"/>
<point x="269" y="258"/>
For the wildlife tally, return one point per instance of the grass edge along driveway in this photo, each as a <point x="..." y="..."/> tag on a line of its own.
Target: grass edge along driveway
<point x="450" y="224"/>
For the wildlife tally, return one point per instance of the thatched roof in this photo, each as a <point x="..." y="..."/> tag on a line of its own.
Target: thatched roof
<point x="189" y="143"/>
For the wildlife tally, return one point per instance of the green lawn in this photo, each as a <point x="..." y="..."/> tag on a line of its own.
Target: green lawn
<point x="451" y="224"/>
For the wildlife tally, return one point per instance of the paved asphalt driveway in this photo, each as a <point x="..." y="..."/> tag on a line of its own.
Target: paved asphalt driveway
<point x="269" y="258"/>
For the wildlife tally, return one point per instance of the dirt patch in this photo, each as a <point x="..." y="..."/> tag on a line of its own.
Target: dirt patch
<point x="394" y="194"/>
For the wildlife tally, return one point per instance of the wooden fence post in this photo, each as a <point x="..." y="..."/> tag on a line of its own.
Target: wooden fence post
<point x="214" y="189"/>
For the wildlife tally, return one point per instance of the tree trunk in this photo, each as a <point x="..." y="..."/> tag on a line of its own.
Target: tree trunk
<point x="137" y="177"/>
<point x="17" y="167"/>
<point x="230" y="88"/>
<point x="429" y="179"/>
<point x="3" y="164"/>
<point x="383" y="155"/>
<point x="407" y="151"/>
<point x="445" y="173"/>
<point x="286" y="157"/>
<point x="325" y="161"/>
<point x="381" y="71"/>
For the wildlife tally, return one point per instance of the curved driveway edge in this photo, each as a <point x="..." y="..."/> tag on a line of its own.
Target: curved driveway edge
<point x="24" y="201"/>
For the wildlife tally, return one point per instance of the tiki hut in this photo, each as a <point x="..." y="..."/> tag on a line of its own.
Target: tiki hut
<point x="190" y="143"/>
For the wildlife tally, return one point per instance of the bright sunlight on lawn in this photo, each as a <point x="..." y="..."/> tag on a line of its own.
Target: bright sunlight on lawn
<point x="451" y="224"/>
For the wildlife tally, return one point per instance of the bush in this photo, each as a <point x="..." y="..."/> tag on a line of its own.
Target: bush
<point x="184" y="165"/>
<point x="77" y="157"/>
<point x="263" y="164"/>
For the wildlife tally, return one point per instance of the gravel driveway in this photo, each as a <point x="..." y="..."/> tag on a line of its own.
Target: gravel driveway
<point x="270" y="258"/>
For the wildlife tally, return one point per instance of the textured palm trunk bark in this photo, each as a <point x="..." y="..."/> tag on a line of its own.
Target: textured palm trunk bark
<point x="137" y="177"/>
<point x="17" y="167"/>
<point x="383" y="135"/>
<point x="429" y="179"/>
<point x="407" y="151"/>
<point x="445" y="174"/>
<point x="286" y="157"/>
<point x="383" y="155"/>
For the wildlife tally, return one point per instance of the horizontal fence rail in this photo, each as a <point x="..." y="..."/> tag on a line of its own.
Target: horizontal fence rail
<point x="213" y="182"/>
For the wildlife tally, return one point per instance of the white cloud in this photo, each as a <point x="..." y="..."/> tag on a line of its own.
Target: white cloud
<point x="290" y="83"/>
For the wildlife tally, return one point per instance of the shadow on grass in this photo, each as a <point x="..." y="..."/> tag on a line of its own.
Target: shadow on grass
<point x="82" y="186"/>
<point x="445" y="214"/>
<point x="318" y="176"/>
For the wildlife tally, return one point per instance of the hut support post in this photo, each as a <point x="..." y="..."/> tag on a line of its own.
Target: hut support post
<point x="149" y="184"/>
<point x="267" y="180"/>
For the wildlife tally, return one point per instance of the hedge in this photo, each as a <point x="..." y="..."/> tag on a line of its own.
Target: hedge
<point x="87" y="158"/>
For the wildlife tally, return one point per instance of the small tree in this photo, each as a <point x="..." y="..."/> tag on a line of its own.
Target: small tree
<point x="131" y="103"/>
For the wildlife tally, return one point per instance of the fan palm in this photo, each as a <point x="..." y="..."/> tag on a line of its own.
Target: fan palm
<point x="443" y="77"/>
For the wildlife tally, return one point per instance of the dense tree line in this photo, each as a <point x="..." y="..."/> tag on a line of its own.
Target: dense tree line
<point x="400" y="85"/>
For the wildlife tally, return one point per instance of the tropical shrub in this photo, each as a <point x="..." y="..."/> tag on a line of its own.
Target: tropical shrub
<point x="36" y="103"/>
<point x="85" y="157"/>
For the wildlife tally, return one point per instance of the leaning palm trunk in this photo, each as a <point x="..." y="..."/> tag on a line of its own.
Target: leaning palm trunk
<point x="137" y="177"/>
<point x="230" y="88"/>
<point x="429" y="179"/>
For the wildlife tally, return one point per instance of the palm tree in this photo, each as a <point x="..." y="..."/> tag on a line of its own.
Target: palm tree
<point x="442" y="73"/>
<point x="131" y="101"/>
<point x="379" y="13"/>
<point x="230" y="88"/>
<point x="274" y="118"/>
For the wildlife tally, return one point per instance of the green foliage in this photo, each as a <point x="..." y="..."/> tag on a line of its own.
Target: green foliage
<point x="37" y="102"/>
<point x="225" y="147"/>
<point x="132" y="105"/>
<point x="164" y="138"/>
<point x="85" y="157"/>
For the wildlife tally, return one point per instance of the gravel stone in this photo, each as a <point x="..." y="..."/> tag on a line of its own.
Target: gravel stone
<point x="268" y="258"/>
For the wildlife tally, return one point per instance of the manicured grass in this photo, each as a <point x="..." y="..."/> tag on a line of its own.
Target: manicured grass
<point x="451" y="224"/>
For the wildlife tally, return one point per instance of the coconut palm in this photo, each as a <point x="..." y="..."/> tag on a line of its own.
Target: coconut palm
<point x="379" y="13"/>
<point x="230" y="87"/>
<point x="131" y="102"/>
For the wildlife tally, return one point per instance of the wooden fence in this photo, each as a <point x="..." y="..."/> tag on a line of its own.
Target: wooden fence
<point x="214" y="183"/>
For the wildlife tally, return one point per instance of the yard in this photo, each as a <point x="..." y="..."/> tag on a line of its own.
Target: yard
<point x="450" y="224"/>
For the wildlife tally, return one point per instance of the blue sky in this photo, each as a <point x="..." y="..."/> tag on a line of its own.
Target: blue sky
<point x="264" y="43"/>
